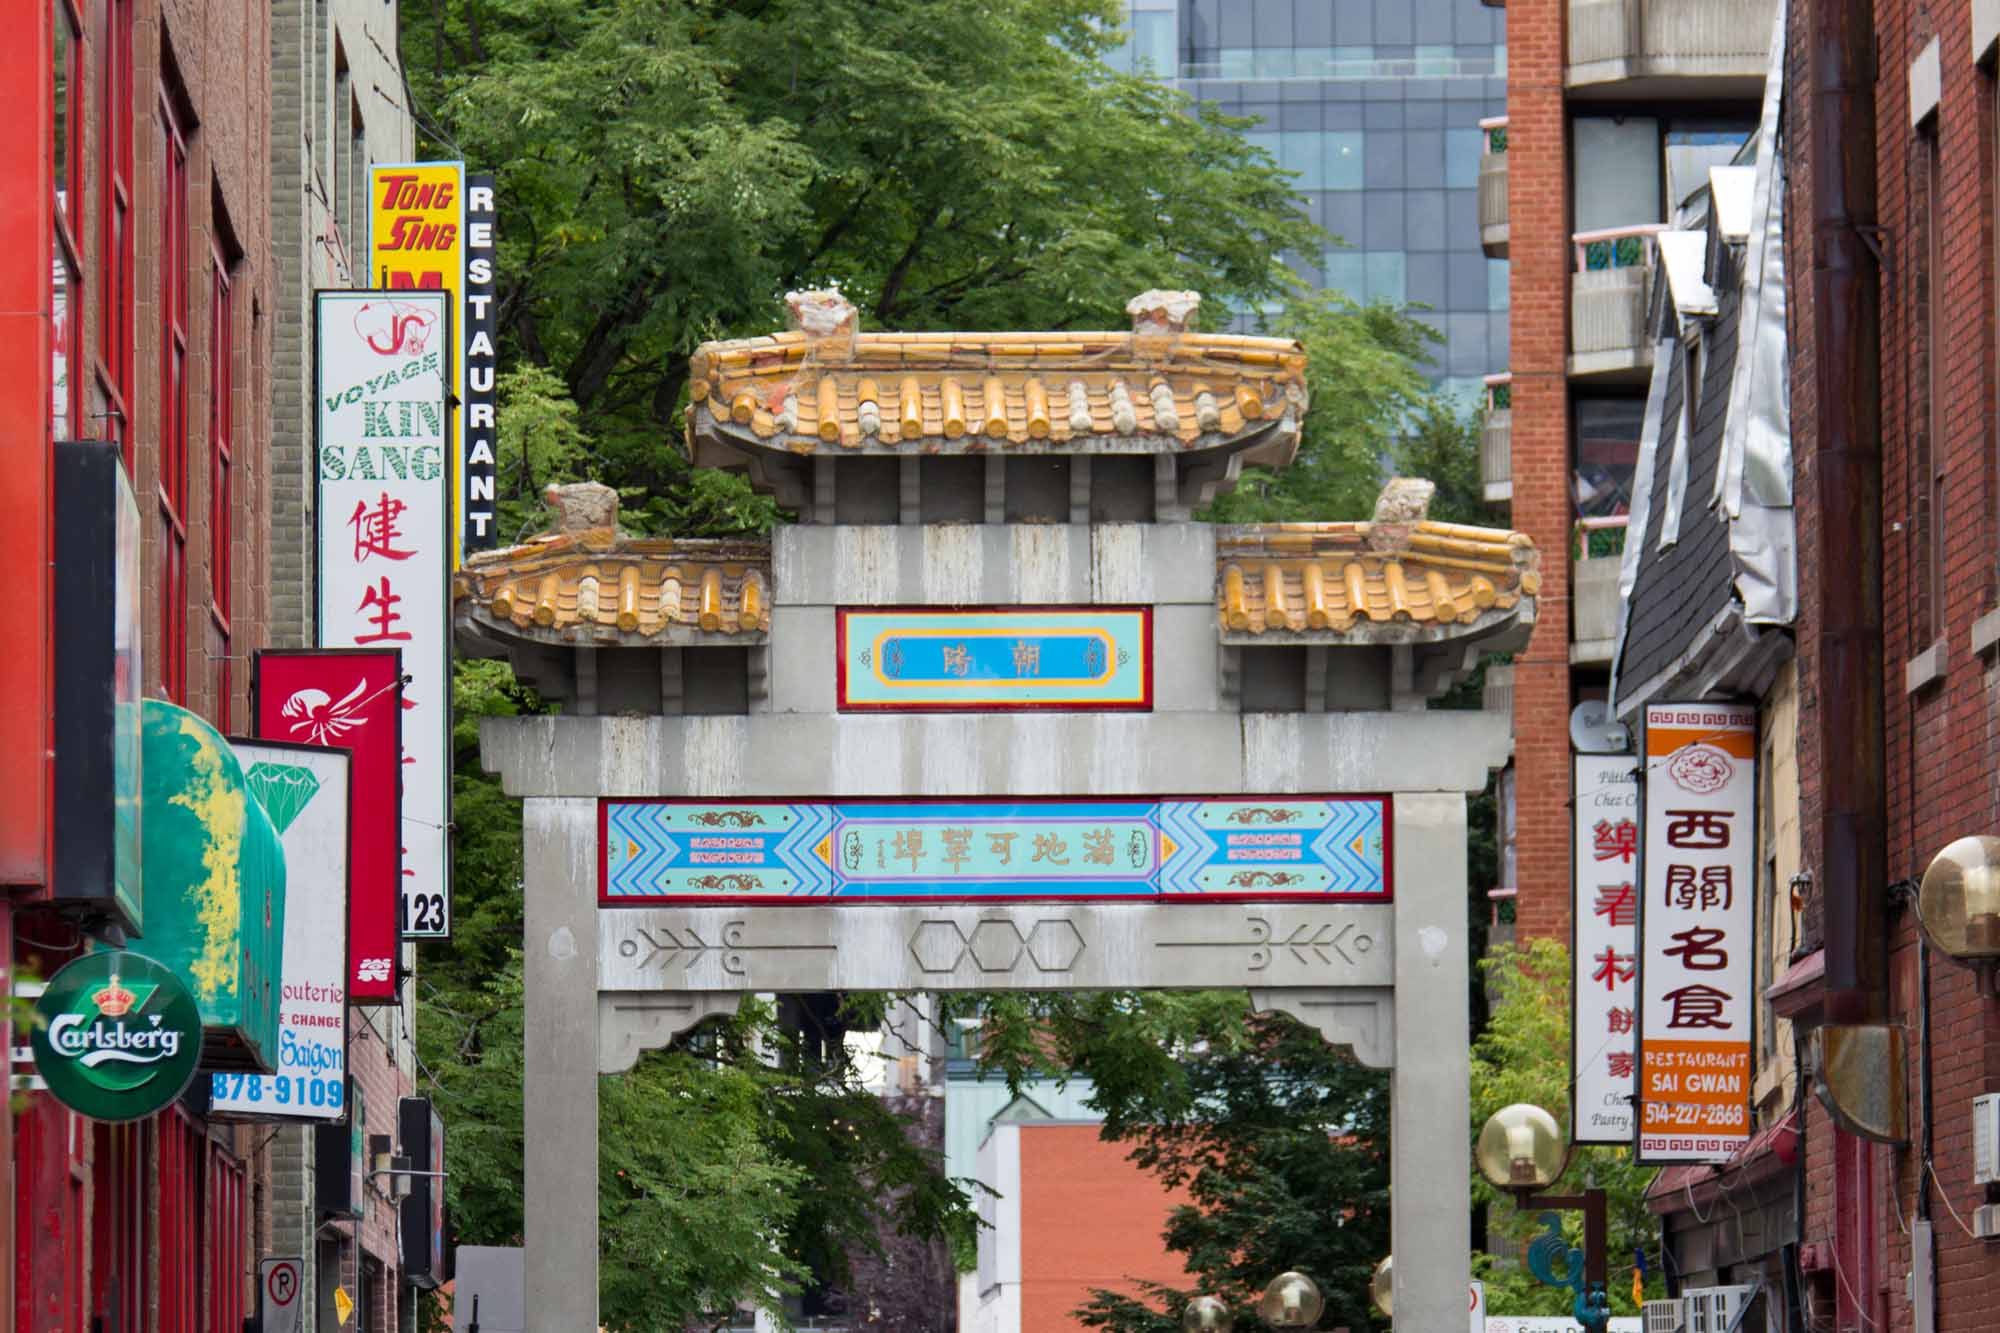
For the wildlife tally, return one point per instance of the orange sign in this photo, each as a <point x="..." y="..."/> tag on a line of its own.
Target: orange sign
<point x="416" y="240"/>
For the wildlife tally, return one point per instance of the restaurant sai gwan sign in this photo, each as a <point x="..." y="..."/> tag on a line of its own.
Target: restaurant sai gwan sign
<point x="385" y="544"/>
<point x="1696" y="932"/>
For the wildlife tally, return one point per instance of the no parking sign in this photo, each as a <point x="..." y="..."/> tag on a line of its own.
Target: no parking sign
<point x="279" y="1284"/>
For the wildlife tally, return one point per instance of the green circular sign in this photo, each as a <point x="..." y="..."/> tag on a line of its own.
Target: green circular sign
<point x="117" y="1036"/>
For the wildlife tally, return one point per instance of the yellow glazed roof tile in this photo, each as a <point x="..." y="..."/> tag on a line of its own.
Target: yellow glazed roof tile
<point x="826" y="387"/>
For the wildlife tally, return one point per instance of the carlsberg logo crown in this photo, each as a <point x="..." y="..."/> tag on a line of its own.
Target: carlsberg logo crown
<point x="110" y="1028"/>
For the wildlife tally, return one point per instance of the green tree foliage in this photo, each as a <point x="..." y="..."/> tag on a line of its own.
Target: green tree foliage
<point x="1279" y="1140"/>
<point x="668" y="168"/>
<point x="1523" y="1056"/>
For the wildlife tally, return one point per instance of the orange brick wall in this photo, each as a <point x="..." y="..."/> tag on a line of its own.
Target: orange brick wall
<point x="1089" y="1219"/>
<point x="1539" y="251"/>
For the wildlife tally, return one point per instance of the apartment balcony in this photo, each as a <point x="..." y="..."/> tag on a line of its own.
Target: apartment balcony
<point x="1493" y="188"/>
<point x="1597" y="548"/>
<point x="1496" y="440"/>
<point x="1669" y="49"/>
<point x="1608" y="299"/>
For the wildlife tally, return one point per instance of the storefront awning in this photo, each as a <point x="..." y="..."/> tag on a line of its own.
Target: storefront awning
<point x="215" y="886"/>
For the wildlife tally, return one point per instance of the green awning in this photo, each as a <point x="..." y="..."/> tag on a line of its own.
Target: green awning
<point x="215" y="886"/>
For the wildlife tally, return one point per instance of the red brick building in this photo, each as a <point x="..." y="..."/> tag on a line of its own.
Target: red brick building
<point x="1877" y="701"/>
<point x="135" y="286"/>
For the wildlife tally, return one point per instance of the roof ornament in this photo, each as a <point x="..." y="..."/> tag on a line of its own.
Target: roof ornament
<point x="827" y="318"/>
<point x="1162" y="314"/>
<point x="1404" y="503"/>
<point x="583" y="507"/>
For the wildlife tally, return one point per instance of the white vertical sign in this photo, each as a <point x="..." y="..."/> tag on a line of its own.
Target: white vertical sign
<point x="1697" y="932"/>
<point x="385" y="543"/>
<point x="1604" y="950"/>
<point x="304" y="788"/>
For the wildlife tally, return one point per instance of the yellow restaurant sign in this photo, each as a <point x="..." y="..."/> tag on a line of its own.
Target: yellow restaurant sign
<point x="416" y="240"/>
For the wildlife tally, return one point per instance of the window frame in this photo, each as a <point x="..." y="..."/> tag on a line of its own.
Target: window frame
<point x="172" y="487"/>
<point x="221" y="479"/>
<point x="1927" y="465"/>
<point x="116" y="351"/>
<point x="66" y="293"/>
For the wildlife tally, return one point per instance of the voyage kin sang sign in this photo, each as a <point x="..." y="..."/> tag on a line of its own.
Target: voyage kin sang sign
<point x="385" y="544"/>
<point x="1697" y="930"/>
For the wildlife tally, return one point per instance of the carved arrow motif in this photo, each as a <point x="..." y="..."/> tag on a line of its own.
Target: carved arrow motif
<point x="1303" y="939"/>
<point x="686" y="947"/>
<point x="666" y="946"/>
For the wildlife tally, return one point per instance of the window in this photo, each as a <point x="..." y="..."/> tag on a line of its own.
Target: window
<point x="1928" y="481"/>
<point x="343" y="152"/>
<point x="173" y="464"/>
<point x="1607" y="454"/>
<point x="66" y="276"/>
<point x="221" y="479"/>
<point x="114" y="203"/>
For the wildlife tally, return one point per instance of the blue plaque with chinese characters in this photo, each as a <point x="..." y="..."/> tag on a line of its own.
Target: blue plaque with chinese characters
<point x="999" y="659"/>
<point x="1276" y="847"/>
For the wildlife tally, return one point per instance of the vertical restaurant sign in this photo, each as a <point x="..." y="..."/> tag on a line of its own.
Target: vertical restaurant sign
<point x="305" y="790"/>
<point x="1604" y="950"/>
<point x="1696" y="932"/>
<point x="350" y="700"/>
<point x="481" y="471"/>
<point x="416" y="242"/>
<point x="383" y="540"/>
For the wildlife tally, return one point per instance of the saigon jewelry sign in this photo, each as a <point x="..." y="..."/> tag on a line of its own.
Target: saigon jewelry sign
<point x="117" y="1036"/>
<point x="1243" y="848"/>
<point x="925" y="659"/>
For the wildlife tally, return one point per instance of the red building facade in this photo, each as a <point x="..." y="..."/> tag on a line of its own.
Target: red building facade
<point x="135" y="277"/>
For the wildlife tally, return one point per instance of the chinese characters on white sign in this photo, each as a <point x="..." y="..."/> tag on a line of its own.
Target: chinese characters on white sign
<point x="1696" y="932"/>
<point x="1605" y="951"/>
<point x="384" y="543"/>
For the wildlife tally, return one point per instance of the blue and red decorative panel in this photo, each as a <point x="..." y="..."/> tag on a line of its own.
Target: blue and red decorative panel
<point x="933" y="659"/>
<point x="1187" y="848"/>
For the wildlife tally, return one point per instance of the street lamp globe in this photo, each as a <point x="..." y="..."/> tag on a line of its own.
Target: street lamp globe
<point x="1291" y="1301"/>
<point x="1958" y="900"/>
<point x="1520" y="1148"/>
<point x="1382" y="1287"/>
<point x="1206" y="1313"/>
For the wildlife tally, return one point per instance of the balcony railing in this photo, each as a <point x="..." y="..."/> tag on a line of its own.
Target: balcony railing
<point x="1496" y="439"/>
<point x="1597" y="548"/>
<point x="1608" y="296"/>
<point x="1493" y="187"/>
<point x="1692" y="47"/>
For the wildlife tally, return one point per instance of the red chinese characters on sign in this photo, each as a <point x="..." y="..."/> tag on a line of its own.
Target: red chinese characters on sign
<point x="1695" y="955"/>
<point x="1605" y="950"/>
<point x="378" y="529"/>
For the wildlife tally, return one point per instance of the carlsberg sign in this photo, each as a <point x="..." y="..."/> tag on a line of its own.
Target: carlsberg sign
<point x="117" y="1036"/>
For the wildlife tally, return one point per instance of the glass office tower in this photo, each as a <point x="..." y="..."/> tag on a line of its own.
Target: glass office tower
<point x="1375" y="104"/>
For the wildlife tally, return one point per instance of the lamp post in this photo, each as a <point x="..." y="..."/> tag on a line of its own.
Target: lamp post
<point x="1292" y="1300"/>
<point x="1521" y="1151"/>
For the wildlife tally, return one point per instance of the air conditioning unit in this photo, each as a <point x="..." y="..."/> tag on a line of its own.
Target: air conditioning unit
<point x="1665" y="1316"/>
<point x="1986" y="1139"/>
<point x="1713" y="1309"/>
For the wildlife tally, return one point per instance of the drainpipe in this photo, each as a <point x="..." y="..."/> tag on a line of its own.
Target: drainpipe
<point x="1851" y="855"/>
<point x="1847" y="485"/>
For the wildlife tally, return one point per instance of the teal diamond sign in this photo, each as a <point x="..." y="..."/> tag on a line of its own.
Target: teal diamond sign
<point x="282" y="789"/>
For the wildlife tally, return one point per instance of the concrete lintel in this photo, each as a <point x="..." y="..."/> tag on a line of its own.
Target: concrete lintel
<point x="631" y="1022"/>
<point x="1006" y="754"/>
<point x="1361" y="1020"/>
<point x="1926" y="83"/>
<point x="1986" y="629"/>
<point x="1000" y="946"/>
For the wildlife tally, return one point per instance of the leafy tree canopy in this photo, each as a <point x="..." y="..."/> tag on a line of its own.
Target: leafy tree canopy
<point x="1523" y="1056"/>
